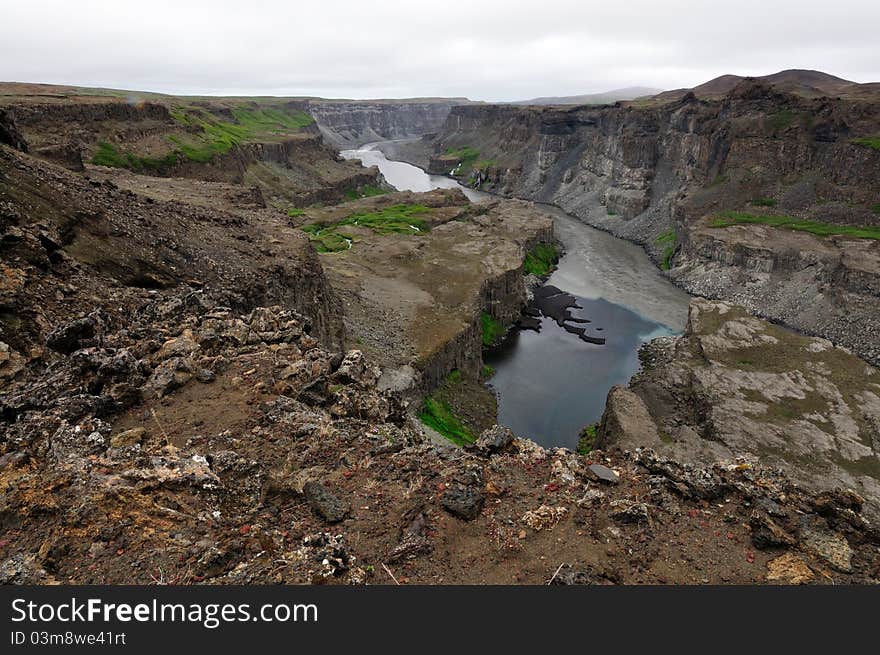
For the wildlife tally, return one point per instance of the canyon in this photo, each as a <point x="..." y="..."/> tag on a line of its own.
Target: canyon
<point x="230" y="355"/>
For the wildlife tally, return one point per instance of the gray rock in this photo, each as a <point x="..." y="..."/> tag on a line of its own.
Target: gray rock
<point x="495" y="439"/>
<point x="603" y="474"/>
<point x="324" y="503"/>
<point x="463" y="502"/>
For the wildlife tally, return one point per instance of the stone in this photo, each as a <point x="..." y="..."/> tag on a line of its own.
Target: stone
<point x="602" y="473"/>
<point x="766" y="533"/>
<point x="463" y="502"/>
<point x="324" y="503"/>
<point x="171" y="374"/>
<point x="627" y="511"/>
<point x="626" y="422"/>
<point x="789" y="569"/>
<point x="829" y="546"/>
<point x="494" y="439"/>
<point x="181" y="346"/>
<point x="544" y="517"/>
<point x="72" y="336"/>
<point x="128" y="438"/>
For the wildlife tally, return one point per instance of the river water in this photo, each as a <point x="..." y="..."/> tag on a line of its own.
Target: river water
<point x="550" y="384"/>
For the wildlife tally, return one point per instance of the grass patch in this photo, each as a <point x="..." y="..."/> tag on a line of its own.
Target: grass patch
<point x="295" y="212"/>
<point x="869" y="141"/>
<point x="219" y="137"/>
<point x="782" y="119"/>
<point x="541" y="259"/>
<point x="726" y="219"/>
<point x="466" y="155"/>
<point x="763" y="202"/>
<point x="108" y="155"/>
<point x="876" y="209"/>
<point x="667" y="240"/>
<point x="492" y="330"/>
<point x="587" y="440"/>
<point x="454" y="376"/>
<point x="438" y="415"/>
<point x="487" y="372"/>
<point x="397" y="219"/>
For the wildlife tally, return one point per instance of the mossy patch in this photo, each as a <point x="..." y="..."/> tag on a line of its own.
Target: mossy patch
<point x="667" y="241"/>
<point x="364" y="191"/>
<point x="218" y="137"/>
<point x="729" y="218"/>
<point x="869" y="141"/>
<point x="541" y="260"/>
<point x="487" y="372"/>
<point x="108" y="154"/>
<point x="439" y="416"/>
<point x="587" y="440"/>
<point x="492" y="330"/>
<point x="397" y="219"/>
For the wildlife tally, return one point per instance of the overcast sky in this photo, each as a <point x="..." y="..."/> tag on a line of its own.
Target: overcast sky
<point x="485" y="50"/>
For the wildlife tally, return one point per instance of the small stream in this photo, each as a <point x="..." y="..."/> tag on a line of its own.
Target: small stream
<point x="552" y="383"/>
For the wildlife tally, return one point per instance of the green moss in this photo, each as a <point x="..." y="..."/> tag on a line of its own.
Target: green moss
<point x="587" y="440"/>
<point x="466" y="155"/>
<point x="726" y="219"/>
<point x="397" y="219"/>
<point x="438" y="415"/>
<point x="763" y="202"/>
<point x="492" y="329"/>
<point x="869" y="141"/>
<point x="295" y="212"/>
<point x="454" y="376"/>
<point x="876" y="208"/>
<point x="667" y="239"/>
<point x="487" y="372"/>
<point x="108" y="155"/>
<point x="782" y="119"/>
<point x="218" y="137"/>
<point x="541" y="259"/>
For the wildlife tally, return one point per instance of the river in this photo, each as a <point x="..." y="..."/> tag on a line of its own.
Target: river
<point x="550" y="384"/>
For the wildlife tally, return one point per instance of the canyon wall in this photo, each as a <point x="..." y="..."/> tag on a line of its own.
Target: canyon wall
<point x="351" y="123"/>
<point x="660" y="174"/>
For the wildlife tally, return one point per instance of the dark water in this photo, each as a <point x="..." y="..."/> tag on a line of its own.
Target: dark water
<point x="551" y="383"/>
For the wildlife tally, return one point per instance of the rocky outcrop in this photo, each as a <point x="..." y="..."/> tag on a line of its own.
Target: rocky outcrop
<point x="736" y="386"/>
<point x="351" y="123"/>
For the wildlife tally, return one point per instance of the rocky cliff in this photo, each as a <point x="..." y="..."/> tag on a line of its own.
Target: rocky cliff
<point x="661" y="174"/>
<point x="350" y="123"/>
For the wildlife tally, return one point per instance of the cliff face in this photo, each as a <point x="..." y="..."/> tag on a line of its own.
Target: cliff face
<point x="354" y="123"/>
<point x="660" y="174"/>
<point x="288" y="161"/>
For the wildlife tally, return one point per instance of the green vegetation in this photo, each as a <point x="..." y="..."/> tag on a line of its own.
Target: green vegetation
<point x="492" y="328"/>
<point x="365" y="191"/>
<point x="876" y="208"/>
<point x="466" y="155"/>
<point x="454" y="376"/>
<point x="327" y="239"/>
<point x="487" y="372"/>
<point x="726" y="219"/>
<point x="219" y="137"/>
<point x="108" y="155"/>
<point x="295" y="212"/>
<point x="587" y="440"/>
<point x="870" y="141"/>
<point x="438" y="415"/>
<point x="610" y="212"/>
<point x="541" y="259"/>
<point x="667" y="240"/>
<point x="718" y="179"/>
<point x="396" y="219"/>
<point x="763" y="202"/>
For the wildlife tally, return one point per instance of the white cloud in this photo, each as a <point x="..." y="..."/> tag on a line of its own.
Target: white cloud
<point x="492" y="50"/>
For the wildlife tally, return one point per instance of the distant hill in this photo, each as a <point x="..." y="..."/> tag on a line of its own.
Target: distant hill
<point x="606" y="98"/>
<point x="807" y="83"/>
